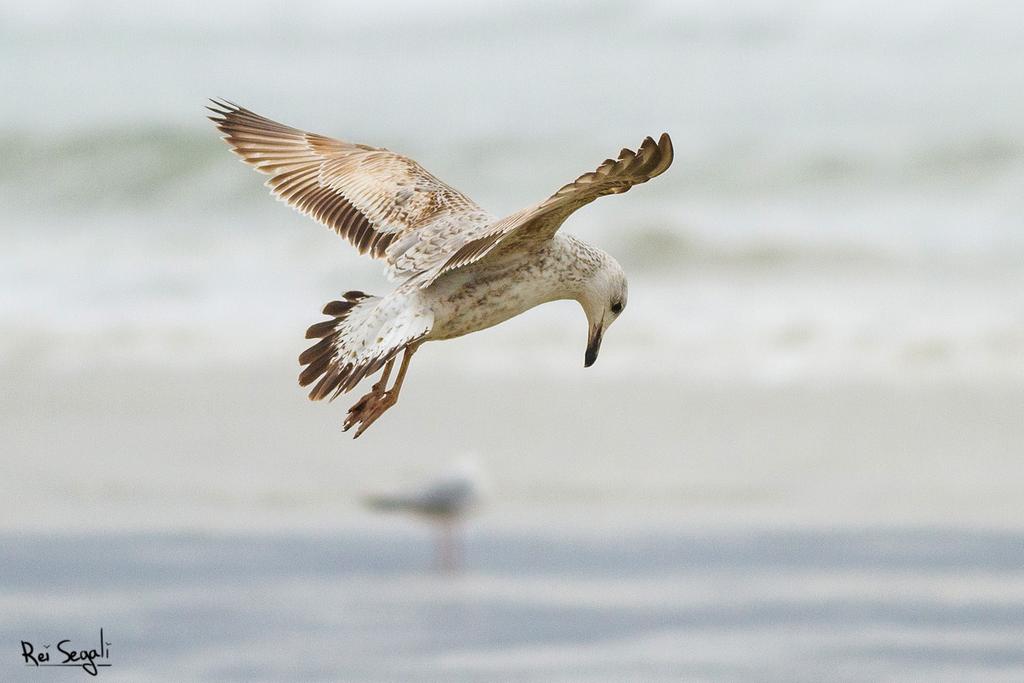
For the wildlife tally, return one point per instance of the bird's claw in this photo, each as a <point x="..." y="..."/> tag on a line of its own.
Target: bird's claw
<point x="367" y="409"/>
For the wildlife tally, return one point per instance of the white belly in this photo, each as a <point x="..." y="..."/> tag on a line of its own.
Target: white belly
<point x="474" y="299"/>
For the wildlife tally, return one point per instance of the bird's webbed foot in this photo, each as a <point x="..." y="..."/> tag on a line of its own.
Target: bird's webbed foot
<point x="367" y="409"/>
<point x="371" y="406"/>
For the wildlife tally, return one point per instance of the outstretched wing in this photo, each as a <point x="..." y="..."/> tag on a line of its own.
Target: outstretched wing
<point x="541" y="221"/>
<point x="385" y="204"/>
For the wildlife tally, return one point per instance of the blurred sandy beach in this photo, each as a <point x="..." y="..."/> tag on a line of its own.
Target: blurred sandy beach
<point x="799" y="456"/>
<point x="776" y="606"/>
<point x="182" y="450"/>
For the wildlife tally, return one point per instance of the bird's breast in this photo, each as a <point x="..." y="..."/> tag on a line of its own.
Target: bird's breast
<point x="474" y="299"/>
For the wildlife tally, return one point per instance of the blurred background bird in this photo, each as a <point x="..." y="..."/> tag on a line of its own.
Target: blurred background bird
<point x="444" y="502"/>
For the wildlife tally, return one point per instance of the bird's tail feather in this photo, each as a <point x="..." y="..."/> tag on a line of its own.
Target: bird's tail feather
<point x="362" y="335"/>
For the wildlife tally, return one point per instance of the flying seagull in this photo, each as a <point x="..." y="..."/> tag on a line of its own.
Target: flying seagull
<point x="460" y="269"/>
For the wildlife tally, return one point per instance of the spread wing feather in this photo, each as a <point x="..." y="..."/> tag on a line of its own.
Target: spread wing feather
<point x="385" y="204"/>
<point x="390" y="207"/>
<point x="542" y="221"/>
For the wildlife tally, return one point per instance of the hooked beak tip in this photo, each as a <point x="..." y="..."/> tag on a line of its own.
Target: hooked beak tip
<point x="593" y="346"/>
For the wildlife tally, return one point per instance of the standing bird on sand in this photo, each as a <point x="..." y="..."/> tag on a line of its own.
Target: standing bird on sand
<point x="446" y="502"/>
<point x="461" y="269"/>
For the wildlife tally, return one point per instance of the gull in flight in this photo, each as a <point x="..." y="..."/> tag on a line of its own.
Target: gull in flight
<point x="445" y="501"/>
<point x="459" y="268"/>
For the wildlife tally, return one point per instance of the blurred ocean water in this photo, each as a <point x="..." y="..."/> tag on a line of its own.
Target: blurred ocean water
<point x="846" y="196"/>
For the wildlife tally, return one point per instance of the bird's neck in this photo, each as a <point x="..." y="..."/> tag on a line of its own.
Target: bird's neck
<point x="574" y="263"/>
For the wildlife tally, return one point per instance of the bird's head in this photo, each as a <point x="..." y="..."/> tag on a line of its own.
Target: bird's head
<point x="603" y="299"/>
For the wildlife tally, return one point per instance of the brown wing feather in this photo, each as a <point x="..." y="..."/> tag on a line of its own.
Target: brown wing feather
<point x="370" y="196"/>
<point x="541" y="221"/>
<point x="389" y="206"/>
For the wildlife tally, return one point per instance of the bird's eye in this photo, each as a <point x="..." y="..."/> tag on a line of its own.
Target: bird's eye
<point x="617" y="307"/>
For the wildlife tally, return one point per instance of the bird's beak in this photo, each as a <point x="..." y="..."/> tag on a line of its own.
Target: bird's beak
<point x="593" y="344"/>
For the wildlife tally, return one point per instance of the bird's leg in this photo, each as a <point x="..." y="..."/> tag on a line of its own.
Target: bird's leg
<point x="446" y="555"/>
<point x="376" y="392"/>
<point x="373" y="405"/>
<point x="381" y="384"/>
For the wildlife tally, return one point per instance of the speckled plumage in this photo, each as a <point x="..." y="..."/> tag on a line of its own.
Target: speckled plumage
<point x="461" y="269"/>
<point x="492" y="290"/>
